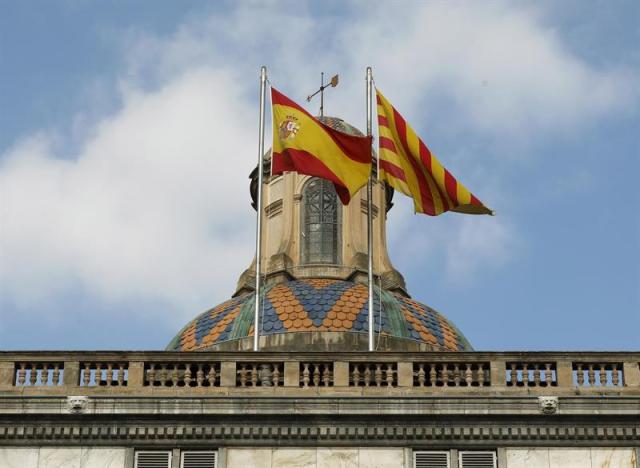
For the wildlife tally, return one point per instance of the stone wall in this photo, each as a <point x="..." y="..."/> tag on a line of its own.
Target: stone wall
<point x="571" y="458"/>
<point x="316" y="458"/>
<point x="63" y="457"/>
<point x="260" y="457"/>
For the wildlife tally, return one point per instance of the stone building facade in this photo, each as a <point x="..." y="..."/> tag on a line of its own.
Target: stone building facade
<point x="313" y="396"/>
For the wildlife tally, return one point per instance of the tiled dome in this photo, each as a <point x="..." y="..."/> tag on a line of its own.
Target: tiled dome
<point x="340" y="125"/>
<point x="320" y="305"/>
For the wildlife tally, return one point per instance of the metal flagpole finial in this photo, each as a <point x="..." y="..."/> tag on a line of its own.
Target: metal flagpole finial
<point x="333" y="82"/>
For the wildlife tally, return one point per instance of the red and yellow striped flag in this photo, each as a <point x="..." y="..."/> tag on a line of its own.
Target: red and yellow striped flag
<point x="409" y="167"/>
<point x="305" y="145"/>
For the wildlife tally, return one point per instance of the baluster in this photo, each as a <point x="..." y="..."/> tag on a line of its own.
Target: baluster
<point x="356" y="375"/>
<point x="200" y="375"/>
<point x="579" y="375"/>
<point x="151" y="374"/>
<point x="175" y="374"/>
<point x="212" y="375"/>
<point x="367" y="374"/>
<point x="86" y="376"/>
<point x="243" y="375"/>
<point x="98" y="375"/>
<point x="316" y="375"/>
<point x="536" y="375"/>
<point x="468" y="375"/>
<point x="254" y="375"/>
<point x="44" y="374"/>
<point x="33" y="378"/>
<point x="603" y="375"/>
<point x="525" y="374"/>
<point x="187" y="375"/>
<point x="305" y="376"/>
<point x="22" y="374"/>
<point x="456" y="375"/>
<point x="421" y="375"/>
<point x="378" y="375"/>
<point x="615" y="378"/>
<point x="163" y="374"/>
<point x="326" y="376"/>
<point x="433" y="375"/>
<point x="591" y="375"/>
<point x="480" y="375"/>
<point x="109" y="378"/>
<point x="276" y="375"/>
<point x="120" y="375"/>
<point x="445" y="374"/>
<point x="389" y="375"/>
<point x="513" y="375"/>
<point x="56" y="374"/>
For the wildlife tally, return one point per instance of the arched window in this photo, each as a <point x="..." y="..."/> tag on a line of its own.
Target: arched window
<point x="320" y="223"/>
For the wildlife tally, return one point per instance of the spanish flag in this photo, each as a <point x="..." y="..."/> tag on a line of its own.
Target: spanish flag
<point x="409" y="167"/>
<point x="305" y="145"/>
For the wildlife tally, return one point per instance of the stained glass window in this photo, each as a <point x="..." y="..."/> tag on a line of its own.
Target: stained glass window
<point x="320" y="222"/>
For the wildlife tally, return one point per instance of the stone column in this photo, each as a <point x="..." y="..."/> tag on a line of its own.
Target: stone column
<point x="405" y="374"/>
<point x="340" y="374"/>
<point x="7" y="373"/>
<point x="136" y="374"/>
<point x="71" y="374"/>
<point x="631" y="374"/>
<point x="291" y="374"/>
<point x="227" y="374"/>
<point x="564" y="374"/>
<point x="498" y="372"/>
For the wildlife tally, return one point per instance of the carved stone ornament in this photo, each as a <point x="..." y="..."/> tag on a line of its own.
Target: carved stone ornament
<point x="265" y="374"/>
<point x="77" y="404"/>
<point x="548" y="404"/>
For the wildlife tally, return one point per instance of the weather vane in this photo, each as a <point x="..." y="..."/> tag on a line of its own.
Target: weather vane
<point x="333" y="83"/>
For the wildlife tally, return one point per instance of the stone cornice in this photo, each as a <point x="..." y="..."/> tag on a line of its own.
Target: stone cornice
<point x="402" y="406"/>
<point x="314" y="432"/>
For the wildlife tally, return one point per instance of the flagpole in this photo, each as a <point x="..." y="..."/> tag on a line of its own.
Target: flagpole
<point x="370" y="218"/>
<point x="256" y="320"/>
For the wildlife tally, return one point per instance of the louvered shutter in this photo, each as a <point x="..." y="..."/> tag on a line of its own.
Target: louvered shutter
<point x="155" y="459"/>
<point x="477" y="459"/>
<point x="199" y="459"/>
<point x="431" y="459"/>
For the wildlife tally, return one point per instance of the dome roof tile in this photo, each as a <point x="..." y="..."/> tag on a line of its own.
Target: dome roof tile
<point x="320" y="305"/>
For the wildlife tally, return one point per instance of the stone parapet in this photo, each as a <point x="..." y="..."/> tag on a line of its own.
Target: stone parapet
<point x="320" y="373"/>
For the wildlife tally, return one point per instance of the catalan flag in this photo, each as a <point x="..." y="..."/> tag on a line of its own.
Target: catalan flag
<point x="409" y="167"/>
<point x="305" y="145"/>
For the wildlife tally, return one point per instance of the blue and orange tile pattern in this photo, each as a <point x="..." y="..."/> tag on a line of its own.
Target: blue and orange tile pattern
<point x="320" y="305"/>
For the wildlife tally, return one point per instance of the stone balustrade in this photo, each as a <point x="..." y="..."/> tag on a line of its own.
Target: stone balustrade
<point x="94" y="374"/>
<point x="429" y="373"/>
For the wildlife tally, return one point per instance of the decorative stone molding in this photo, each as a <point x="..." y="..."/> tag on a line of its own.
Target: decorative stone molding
<point x="548" y="404"/>
<point x="362" y="433"/>
<point x="77" y="404"/>
<point x="274" y="208"/>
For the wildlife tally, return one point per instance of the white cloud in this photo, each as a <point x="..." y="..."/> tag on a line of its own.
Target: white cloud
<point x="506" y="73"/>
<point x="155" y="203"/>
<point x="459" y="246"/>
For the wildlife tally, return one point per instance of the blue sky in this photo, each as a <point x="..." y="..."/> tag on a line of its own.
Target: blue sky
<point x="127" y="132"/>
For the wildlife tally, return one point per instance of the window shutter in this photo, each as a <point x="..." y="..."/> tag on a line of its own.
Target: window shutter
<point x="431" y="459"/>
<point x="155" y="459"/>
<point x="199" y="459"/>
<point x="477" y="459"/>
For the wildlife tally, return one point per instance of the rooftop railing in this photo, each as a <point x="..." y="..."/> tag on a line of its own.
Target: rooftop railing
<point x="351" y="373"/>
